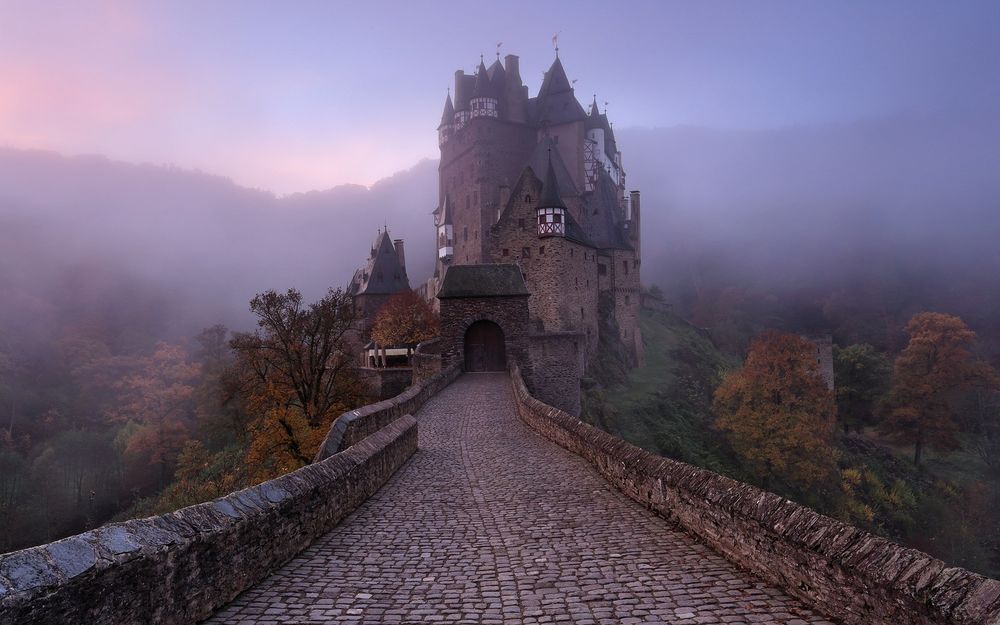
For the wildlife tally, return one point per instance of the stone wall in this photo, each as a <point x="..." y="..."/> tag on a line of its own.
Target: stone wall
<point x="180" y="567"/>
<point x="508" y="312"/>
<point x="558" y="363"/>
<point x="560" y="274"/>
<point x="356" y="425"/>
<point x="843" y="571"/>
<point x="386" y="382"/>
<point x="427" y="360"/>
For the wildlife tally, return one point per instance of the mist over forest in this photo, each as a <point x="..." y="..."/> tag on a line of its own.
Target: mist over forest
<point x="906" y="206"/>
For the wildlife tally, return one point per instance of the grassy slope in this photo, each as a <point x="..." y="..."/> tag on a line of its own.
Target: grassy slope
<point x="665" y="405"/>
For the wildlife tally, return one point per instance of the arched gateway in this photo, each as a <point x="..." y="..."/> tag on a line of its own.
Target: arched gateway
<point x="484" y="317"/>
<point x="484" y="347"/>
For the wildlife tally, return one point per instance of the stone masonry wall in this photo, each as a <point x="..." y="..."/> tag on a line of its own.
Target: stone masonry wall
<point x="427" y="360"/>
<point x="510" y="313"/>
<point x="179" y="567"/>
<point x="560" y="274"/>
<point x="845" y="572"/>
<point x="356" y="425"/>
<point x="557" y="362"/>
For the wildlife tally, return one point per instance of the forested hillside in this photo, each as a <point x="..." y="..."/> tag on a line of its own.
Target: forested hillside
<point x="949" y="505"/>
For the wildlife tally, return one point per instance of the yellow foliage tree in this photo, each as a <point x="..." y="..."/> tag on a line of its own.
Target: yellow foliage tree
<point x="777" y="412"/>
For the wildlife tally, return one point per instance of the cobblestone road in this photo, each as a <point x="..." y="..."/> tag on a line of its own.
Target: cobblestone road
<point x="489" y="523"/>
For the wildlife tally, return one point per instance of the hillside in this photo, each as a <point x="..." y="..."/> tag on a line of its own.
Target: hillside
<point x="664" y="406"/>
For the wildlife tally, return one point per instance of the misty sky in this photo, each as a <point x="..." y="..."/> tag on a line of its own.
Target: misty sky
<point x="306" y="95"/>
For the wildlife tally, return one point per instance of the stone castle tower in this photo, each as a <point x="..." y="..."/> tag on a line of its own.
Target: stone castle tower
<point x="539" y="182"/>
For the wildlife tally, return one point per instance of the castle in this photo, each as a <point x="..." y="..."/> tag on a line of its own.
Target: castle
<point x="538" y="182"/>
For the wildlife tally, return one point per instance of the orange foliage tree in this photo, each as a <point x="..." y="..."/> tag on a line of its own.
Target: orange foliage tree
<point x="777" y="412"/>
<point x="156" y="398"/>
<point x="296" y="374"/>
<point x="405" y="319"/>
<point x="932" y="370"/>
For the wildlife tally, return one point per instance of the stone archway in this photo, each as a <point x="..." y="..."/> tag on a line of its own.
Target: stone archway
<point x="485" y="348"/>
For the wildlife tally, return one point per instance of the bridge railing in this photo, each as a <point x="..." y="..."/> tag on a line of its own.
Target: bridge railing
<point x="178" y="568"/>
<point x="354" y="425"/>
<point x="843" y="571"/>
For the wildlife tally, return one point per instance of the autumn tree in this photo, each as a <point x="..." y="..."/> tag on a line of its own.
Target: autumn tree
<point x="936" y="365"/>
<point x="297" y="374"/>
<point x="405" y="319"/>
<point x="862" y="374"/>
<point x="157" y="398"/>
<point x="777" y="412"/>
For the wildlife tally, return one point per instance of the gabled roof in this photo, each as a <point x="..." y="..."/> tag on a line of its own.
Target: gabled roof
<point x="383" y="274"/>
<point x="498" y="75"/>
<point x="539" y="162"/>
<point x="604" y="212"/>
<point x="573" y="232"/>
<point x="483" y="281"/>
<point x="448" y="116"/>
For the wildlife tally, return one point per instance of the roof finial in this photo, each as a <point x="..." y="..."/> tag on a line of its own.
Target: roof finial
<point x="499" y="43"/>
<point x="555" y="43"/>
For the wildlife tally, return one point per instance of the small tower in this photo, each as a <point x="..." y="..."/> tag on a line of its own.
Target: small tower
<point x="447" y="126"/>
<point x="446" y="234"/>
<point x="550" y="209"/>
<point x="484" y="101"/>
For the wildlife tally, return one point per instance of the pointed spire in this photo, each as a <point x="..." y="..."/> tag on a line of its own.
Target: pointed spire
<point x="593" y="107"/>
<point x="555" y="80"/>
<point x="448" y="116"/>
<point x="550" y="188"/>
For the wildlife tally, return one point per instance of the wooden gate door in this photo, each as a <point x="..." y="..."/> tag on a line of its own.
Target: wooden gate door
<point x="484" y="347"/>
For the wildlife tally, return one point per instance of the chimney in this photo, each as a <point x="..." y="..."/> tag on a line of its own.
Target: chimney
<point x="398" y="244"/>
<point x="511" y="69"/>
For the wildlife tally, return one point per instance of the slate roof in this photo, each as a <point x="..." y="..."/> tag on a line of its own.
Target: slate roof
<point x="539" y="162"/>
<point x="482" y="281"/>
<point x="555" y="102"/>
<point x="604" y="215"/>
<point x="382" y="274"/>
<point x="549" y="197"/>
<point x="448" y="116"/>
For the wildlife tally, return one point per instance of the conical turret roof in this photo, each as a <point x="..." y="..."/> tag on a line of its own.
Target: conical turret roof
<point x="549" y="197"/>
<point x="555" y="81"/>
<point x="448" y="116"/>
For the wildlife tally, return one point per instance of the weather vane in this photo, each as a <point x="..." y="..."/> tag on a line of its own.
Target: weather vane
<point x="500" y="43"/>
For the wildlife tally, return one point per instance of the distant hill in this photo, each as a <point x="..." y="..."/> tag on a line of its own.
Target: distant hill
<point x="799" y="209"/>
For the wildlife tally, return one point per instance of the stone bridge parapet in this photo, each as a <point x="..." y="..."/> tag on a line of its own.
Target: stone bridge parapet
<point x="355" y="425"/>
<point x="179" y="567"/>
<point x="844" y="571"/>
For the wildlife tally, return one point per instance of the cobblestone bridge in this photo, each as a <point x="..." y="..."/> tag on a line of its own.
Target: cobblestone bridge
<point x="489" y="523"/>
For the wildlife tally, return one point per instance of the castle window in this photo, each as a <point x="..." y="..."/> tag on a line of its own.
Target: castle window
<point x="571" y="252"/>
<point x="582" y="314"/>
<point x="627" y="300"/>
<point x="520" y="223"/>
<point x="465" y="233"/>
<point x="635" y="263"/>
<point x="625" y="266"/>
<point x="527" y="199"/>
<point x="506" y="252"/>
<point x="602" y="270"/>
<point x="541" y="251"/>
<point x="526" y="252"/>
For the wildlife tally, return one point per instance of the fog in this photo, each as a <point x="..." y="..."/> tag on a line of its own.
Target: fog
<point x="809" y="208"/>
